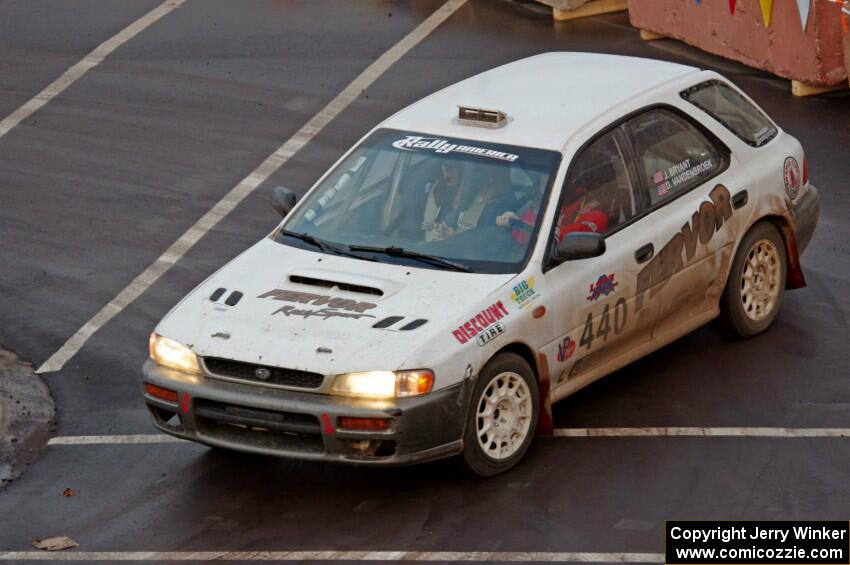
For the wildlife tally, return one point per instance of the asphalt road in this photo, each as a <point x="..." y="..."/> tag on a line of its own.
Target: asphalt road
<point x="101" y="180"/>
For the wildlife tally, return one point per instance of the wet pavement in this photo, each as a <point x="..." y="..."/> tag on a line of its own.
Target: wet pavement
<point x="99" y="182"/>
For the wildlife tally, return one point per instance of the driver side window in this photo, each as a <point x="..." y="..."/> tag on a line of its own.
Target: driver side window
<point x="599" y="195"/>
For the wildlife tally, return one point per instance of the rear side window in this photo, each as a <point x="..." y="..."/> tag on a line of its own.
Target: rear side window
<point x="673" y="156"/>
<point x="736" y="113"/>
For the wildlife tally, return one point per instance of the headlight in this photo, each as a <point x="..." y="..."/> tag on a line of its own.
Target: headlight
<point x="383" y="384"/>
<point x="169" y="353"/>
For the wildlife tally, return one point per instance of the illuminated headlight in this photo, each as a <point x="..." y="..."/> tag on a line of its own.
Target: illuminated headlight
<point x="383" y="384"/>
<point x="169" y="353"/>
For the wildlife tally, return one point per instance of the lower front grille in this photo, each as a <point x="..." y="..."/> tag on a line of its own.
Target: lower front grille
<point x="263" y="374"/>
<point x="267" y="429"/>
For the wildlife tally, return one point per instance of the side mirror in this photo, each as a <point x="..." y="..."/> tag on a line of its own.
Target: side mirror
<point x="283" y="200"/>
<point x="580" y="245"/>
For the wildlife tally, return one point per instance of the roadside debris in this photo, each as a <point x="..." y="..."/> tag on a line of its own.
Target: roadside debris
<point x="54" y="544"/>
<point x="68" y="492"/>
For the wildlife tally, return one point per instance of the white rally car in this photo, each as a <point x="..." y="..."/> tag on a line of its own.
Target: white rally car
<point x="483" y="253"/>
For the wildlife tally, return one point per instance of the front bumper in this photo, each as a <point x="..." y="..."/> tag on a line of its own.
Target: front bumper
<point x="305" y="425"/>
<point x="806" y="211"/>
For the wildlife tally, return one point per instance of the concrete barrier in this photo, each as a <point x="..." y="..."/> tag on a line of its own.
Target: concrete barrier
<point x="814" y="56"/>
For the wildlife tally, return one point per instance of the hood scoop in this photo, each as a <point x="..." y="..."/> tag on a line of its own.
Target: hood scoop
<point x="345" y="282"/>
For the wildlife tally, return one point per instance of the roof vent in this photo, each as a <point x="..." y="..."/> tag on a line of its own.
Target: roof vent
<point x="481" y="117"/>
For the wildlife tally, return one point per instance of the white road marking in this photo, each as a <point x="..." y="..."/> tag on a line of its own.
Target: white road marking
<point x="702" y="432"/>
<point x="107" y="440"/>
<point x="484" y="556"/>
<point x="250" y="183"/>
<point x="87" y="63"/>
<point x="558" y="432"/>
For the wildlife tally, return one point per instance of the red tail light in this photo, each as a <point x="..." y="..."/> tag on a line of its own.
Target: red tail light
<point x="805" y="170"/>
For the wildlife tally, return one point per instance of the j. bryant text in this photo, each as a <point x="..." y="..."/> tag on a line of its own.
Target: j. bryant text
<point x="756" y="533"/>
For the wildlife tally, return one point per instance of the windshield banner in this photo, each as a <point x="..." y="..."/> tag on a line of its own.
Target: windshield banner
<point x="437" y="145"/>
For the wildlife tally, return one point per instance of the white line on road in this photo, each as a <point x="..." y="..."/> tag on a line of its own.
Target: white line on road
<point x="484" y="556"/>
<point x="96" y="440"/>
<point x="250" y="183"/>
<point x="87" y="63"/>
<point x="702" y="432"/>
<point x="558" y="432"/>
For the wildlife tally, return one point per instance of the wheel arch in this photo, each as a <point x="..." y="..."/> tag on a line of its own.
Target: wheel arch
<point x="794" y="277"/>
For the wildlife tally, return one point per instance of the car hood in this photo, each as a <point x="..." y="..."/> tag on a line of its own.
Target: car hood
<point x="289" y="307"/>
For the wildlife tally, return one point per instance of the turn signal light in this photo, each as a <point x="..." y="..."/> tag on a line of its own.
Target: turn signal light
<point x="370" y="424"/>
<point x="162" y="393"/>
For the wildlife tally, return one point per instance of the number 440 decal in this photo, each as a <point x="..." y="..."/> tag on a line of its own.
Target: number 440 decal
<point x="605" y="325"/>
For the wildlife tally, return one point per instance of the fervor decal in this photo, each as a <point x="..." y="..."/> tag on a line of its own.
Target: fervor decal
<point x="705" y="222"/>
<point x="335" y="307"/>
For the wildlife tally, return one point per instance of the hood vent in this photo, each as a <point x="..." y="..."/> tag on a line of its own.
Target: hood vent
<point x="324" y="283"/>
<point x="232" y="299"/>
<point x="389" y="321"/>
<point x="414" y="324"/>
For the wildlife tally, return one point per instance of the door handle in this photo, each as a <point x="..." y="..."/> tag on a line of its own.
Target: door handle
<point x="645" y="253"/>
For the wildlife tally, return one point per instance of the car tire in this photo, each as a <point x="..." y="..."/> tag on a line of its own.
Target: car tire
<point x="505" y="395"/>
<point x="756" y="283"/>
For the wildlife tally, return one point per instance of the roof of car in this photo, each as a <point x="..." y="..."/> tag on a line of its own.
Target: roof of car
<point x="547" y="97"/>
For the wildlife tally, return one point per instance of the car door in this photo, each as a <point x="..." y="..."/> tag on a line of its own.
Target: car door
<point x="693" y="186"/>
<point x="594" y="320"/>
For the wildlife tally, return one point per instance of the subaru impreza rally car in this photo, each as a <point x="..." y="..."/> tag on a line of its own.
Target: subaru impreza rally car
<point x="483" y="253"/>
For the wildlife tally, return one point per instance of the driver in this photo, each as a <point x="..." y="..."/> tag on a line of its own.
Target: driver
<point x="493" y="198"/>
<point x="583" y="212"/>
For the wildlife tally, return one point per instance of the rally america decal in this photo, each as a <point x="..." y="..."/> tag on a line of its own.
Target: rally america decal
<point x="335" y="307"/>
<point x="437" y="145"/>
<point x="480" y="322"/>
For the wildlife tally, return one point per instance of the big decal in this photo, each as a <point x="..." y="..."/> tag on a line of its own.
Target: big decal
<point x="480" y="322"/>
<point x="523" y="293"/>
<point x="705" y="222"/>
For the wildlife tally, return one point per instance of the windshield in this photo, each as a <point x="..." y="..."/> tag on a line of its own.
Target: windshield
<point x="467" y="205"/>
